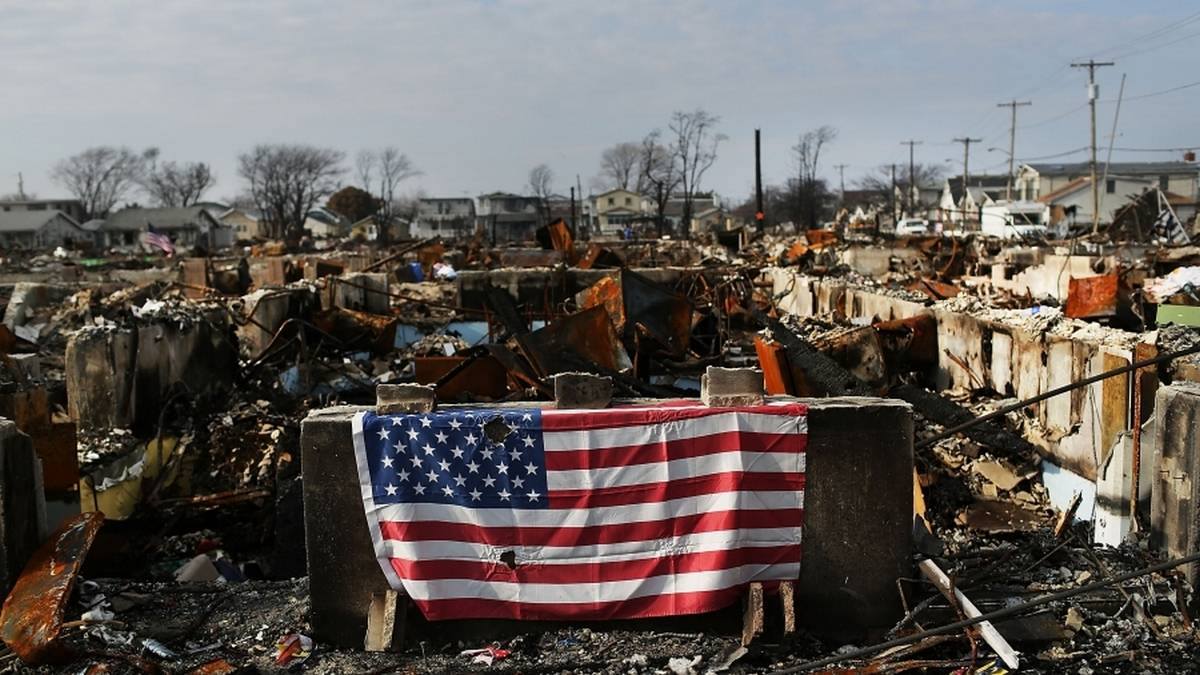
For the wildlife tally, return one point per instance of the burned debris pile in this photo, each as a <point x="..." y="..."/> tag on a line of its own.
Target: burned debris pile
<point x="161" y="403"/>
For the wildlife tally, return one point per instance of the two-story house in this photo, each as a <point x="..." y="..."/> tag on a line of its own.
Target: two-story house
<point x="507" y="217"/>
<point x="72" y="208"/>
<point x="1181" y="178"/>
<point x="618" y="208"/>
<point x="444" y="216"/>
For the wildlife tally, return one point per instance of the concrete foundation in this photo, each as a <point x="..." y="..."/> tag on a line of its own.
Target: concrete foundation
<point x="120" y="377"/>
<point x="22" y="503"/>
<point x="1174" y="518"/>
<point x="857" y="535"/>
<point x="363" y="292"/>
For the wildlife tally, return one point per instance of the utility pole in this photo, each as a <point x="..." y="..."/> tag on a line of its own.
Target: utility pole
<point x="586" y="232"/>
<point x="760" y="216"/>
<point x="892" y="199"/>
<point x="966" y="141"/>
<point x="1012" y="141"/>
<point x="912" y="170"/>
<point x="841" y="168"/>
<point x="1093" y="94"/>
<point x="574" y="227"/>
<point x="20" y="185"/>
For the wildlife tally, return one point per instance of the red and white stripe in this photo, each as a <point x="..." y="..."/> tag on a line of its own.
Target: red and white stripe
<point x="653" y="511"/>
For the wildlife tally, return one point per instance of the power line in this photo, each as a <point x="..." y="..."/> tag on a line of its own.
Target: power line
<point x="1158" y="32"/>
<point x="1158" y="93"/>
<point x="1181" y="149"/>
<point x="1156" y="47"/>
<point x="1076" y="151"/>
<point x="1055" y="118"/>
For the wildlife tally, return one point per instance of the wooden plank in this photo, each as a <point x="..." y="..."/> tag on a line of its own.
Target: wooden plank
<point x="752" y="618"/>
<point x="787" y="598"/>
<point x="990" y="635"/>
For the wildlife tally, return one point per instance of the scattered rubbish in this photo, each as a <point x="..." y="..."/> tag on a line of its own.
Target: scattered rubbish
<point x="487" y="655"/>
<point x="292" y="649"/>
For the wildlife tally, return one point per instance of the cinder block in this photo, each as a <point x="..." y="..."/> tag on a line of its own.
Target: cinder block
<point x="725" y="387"/>
<point x="404" y="398"/>
<point x="582" y="390"/>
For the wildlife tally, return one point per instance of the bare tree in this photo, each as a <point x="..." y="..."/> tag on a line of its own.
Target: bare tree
<point x="620" y="167"/>
<point x="286" y="181"/>
<point x="172" y="184"/>
<point x="381" y="173"/>
<point x="695" y="149"/>
<point x="661" y="176"/>
<point x="809" y="191"/>
<point x="540" y="180"/>
<point x="99" y="177"/>
<point x="880" y="182"/>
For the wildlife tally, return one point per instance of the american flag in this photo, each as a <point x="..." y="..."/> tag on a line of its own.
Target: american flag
<point x="158" y="240"/>
<point x="625" y="512"/>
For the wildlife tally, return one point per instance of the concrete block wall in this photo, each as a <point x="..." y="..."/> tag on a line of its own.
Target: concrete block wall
<point x="857" y="534"/>
<point x="1080" y="429"/>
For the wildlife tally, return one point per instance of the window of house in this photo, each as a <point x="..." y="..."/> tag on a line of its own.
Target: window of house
<point x="1110" y="186"/>
<point x="1163" y="182"/>
<point x="611" y="201"/>
<point x="628" y="201"/>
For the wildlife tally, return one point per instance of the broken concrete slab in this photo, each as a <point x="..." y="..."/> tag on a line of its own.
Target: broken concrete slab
<point x="1176" y="489"/>
<point x="22" y="502"/>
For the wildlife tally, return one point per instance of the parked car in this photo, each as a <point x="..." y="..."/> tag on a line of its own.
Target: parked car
<point x="911" y="226"/>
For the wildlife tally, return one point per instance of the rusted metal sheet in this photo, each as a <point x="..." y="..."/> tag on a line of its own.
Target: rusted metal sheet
<point x="359" y="328"/>
<point x="32" y="618"/>
<point x="936" y="290"/>
<point x="639" y="305"/>
<point x="56" y="445"/>
<point x="599" y="257"/>
<point x="819" y="239"/>
<point x="1092" y="296"/>
<point x="481" y="376"/>
<point x="586" y="336"/>
<point x="772" y="358"/>
<point x="909" y="344"/>
<point x="560" y="236"/>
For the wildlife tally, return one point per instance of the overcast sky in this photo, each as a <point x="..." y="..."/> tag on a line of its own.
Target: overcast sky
<point x="476" y="93"/>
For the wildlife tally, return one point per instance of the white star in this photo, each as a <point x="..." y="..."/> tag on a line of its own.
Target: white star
<point x="441" y="437"/>
<point x="504" y="495"/>
<point x="518" y="482"/>
<point x="533" y="496"/>
<point x="502" y="467"/>
<point x="403" y="474"/>
<point x="527" y="417"/>
<point x="455" y="424"/>
<point x="432" y="476"/>
<point x="516" y="454"/>
<point x="387" y="462"/>
<point x="391" y="490"/>
<point x="457" y="452"/>
<point x="448" y="491"/>
<point x="471" y="439"/>
<point x="398" y="447"/>
<point x="383" y="434"/>
<point x="426" y="422"/>
<point x="475" y="495"/>
<point x="489" y="481"/>
<point x="444" y="465"/>
<point x="528" y="440"/>
<point x="396" y="422"/>
<point x="487" y="453"/>
<point x="459" y="480"/>
<point x="427" y="448"/>
<point x="412" y="434"/>
<point x="531" y="468"/>
<point x="472" y="467"/>
<point x="419" y="489"/>
<point x="416" y="461"/>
